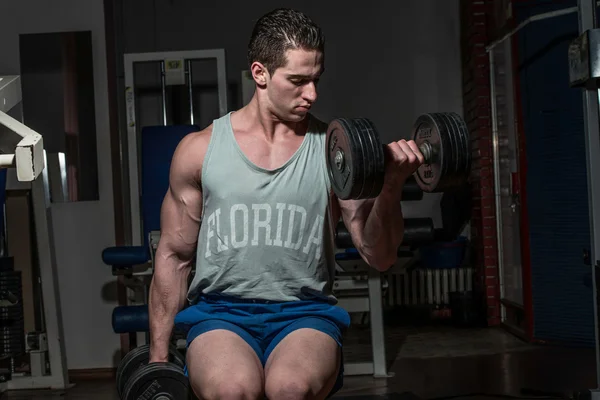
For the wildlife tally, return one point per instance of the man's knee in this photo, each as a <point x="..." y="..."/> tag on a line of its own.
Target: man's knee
<point x="230" y="388"/>
<point x="289" y="384"/>
<point x="288" y="388"/>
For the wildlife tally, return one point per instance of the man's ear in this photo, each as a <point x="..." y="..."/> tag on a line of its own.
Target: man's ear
<point x="260" y="74"/>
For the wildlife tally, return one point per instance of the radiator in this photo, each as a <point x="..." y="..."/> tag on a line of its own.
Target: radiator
<point x="425" y="286"/>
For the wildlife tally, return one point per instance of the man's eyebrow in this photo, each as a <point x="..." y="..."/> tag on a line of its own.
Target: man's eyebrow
<point x="301" y="76"/>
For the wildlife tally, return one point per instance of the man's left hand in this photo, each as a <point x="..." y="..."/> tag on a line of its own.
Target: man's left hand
<point x="403" y="158"/>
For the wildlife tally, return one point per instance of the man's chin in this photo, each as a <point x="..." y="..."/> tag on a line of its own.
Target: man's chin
<point x="299" y="114"/>
<point x="294" y="115"/>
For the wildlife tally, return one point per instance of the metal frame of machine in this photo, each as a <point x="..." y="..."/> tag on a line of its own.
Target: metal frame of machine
<point x="132" y="128"/>
<point x="26" y="165"/>
<point x="588" y="66"/>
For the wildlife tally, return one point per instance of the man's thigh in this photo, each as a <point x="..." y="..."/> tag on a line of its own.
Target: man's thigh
<point x="222" y="363"/>
<point x="306" y="361"/>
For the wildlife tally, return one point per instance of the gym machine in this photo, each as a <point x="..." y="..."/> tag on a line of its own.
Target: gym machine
<point x="174" y="66"/>
<point x="22" y="162"/>
<point x="584" y="72"/>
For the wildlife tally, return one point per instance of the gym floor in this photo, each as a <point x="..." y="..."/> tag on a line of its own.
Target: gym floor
<point x="433" y="362"/>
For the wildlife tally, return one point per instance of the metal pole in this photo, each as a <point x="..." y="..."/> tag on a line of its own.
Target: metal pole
<point x="587" y="21"/>
<point x="497" y="187"/>
<point x="190" y="91"/>
<point x="164" y="91"/>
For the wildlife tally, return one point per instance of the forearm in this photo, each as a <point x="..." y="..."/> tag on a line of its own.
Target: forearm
<point x="167" y="297"/>
<point x="383" y="230"/>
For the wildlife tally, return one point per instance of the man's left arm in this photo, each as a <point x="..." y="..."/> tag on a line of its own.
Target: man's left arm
<point x="377" y="225"/>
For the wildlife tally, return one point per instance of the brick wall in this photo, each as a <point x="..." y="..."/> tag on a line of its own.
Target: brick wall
<point x="476" y="25"/>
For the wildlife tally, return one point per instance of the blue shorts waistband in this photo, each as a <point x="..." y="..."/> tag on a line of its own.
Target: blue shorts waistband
<point x="223" y="298"/>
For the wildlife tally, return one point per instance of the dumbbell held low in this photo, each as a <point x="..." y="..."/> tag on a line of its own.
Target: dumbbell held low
<point x="137" y="379"/>
<point x="356" y="157"/>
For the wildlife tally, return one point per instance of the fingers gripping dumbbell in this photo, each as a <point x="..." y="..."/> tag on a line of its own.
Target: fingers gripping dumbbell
<point x="356" y="157"/>
<point x="136" y="379"/>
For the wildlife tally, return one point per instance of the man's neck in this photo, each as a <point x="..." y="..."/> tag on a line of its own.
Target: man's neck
<point x="256" y="117"/>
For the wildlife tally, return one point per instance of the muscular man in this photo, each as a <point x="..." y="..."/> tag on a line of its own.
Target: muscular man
<point x="250" y="200"/>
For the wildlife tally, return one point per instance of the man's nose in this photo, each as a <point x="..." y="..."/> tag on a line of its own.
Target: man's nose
<point x="310" y="92"/>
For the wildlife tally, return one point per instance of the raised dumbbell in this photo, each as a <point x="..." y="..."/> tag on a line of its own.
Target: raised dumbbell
<point x="136" y="379"/>
<point x="356" y="157"/>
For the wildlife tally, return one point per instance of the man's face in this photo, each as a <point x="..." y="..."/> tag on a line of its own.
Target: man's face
<point x="292" y="89"/>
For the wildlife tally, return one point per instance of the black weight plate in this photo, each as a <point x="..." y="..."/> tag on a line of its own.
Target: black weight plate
<point x="361" y="163"/>
<point x="158" y="381"/>
<point x="444" y="149"/>
<point x="461" y="154"/>
<point x="365" y="144"/>
<point x="130" y="362"/>
<point x="342" y="157"/>
<point x="139" y="357"/>
<point x="454" y="137"/>
<point x="379" y="160"/>
<point x="429" y="173"/>
<point x="445" y="137"/>
<point x="361" y="143"/>
<point x="450" y="135"/>
<point x="376" y="157"/>
<point x="463" y="131"/>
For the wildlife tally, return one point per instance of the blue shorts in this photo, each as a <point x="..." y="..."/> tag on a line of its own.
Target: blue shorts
<point x="262" y="323"/>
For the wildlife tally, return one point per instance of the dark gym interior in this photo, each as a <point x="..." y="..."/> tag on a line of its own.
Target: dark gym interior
<point x="493" y="291"/>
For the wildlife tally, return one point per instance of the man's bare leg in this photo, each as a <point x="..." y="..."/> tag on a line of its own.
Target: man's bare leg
<point x="304" y="365"/>
<point x="221" y="365"/>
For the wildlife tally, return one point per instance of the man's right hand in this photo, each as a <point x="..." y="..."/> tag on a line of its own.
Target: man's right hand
<point x="158" y="354"/>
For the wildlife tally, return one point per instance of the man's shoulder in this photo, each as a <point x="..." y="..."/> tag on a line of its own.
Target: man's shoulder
<point x="192" y="148"/>
<point x="197" y="140"/>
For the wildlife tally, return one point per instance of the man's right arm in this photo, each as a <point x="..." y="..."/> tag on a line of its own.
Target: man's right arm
<point x="179" y="222"/>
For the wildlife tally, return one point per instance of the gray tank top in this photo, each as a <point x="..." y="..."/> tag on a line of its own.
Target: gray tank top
<point x="265" y="234"/>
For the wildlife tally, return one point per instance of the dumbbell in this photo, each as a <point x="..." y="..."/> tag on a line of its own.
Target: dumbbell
<point x="356" y="157"/>
<point x="137" y="379"/>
